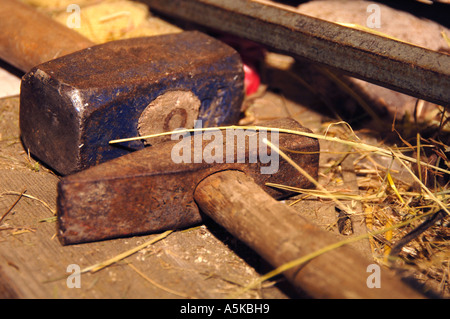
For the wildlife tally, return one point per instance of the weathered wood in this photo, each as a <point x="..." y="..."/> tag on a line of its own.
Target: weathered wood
<point x="279" y="235"/>
<point x="187" y="264"/>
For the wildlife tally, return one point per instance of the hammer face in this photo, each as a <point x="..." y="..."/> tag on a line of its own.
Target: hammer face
<point x="71" y="107"/>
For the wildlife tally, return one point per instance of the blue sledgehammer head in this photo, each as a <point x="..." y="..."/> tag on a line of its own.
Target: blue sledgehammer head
<point x="71" y="107"/>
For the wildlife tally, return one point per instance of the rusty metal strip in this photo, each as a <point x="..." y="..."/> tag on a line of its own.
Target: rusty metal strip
<point x="396" y="65"/>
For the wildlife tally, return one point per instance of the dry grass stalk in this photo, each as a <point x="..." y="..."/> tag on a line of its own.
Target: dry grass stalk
<point x="308" y="257"/>
<point x="171" y="291"/>
<point x="104" y="264"/>
<point x="30" y="197"/>
<point x="117" y="258"/>
<point x="12" y="206"/>
<point x="363" y="147"/>
<point x="409" y="217"/>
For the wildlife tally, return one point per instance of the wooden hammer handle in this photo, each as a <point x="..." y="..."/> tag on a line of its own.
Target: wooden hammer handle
<point x="28" y="37"/>
<point x="279" y="235"/>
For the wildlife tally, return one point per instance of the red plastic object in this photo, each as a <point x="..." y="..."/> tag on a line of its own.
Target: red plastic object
<point x="251" y="80"/>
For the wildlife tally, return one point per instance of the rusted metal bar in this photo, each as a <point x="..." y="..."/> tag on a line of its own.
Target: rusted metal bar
<point x="396" y="65"/>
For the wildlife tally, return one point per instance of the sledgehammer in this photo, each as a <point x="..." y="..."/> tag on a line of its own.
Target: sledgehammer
<point x="71" y="106"/>
<point x="152" y="190"/>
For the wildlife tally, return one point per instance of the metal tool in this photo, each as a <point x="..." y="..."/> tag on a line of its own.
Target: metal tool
<point x="150" y="190"/>
<point x="72" y="106"/>
<point x="146" y="191"/>
<point x="397" y="65"/>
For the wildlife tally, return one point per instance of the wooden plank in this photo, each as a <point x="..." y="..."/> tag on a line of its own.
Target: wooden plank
<point x="192" y="264"/>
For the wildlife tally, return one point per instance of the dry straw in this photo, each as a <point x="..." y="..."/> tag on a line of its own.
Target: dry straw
<point x="324" y="192"/>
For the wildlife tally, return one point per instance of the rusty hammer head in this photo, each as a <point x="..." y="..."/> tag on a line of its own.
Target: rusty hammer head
<point x="153" y="189"/>
<point x="71" y="107"/>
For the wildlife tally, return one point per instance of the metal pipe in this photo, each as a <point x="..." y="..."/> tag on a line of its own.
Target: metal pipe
<point x="393" y="64"/>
